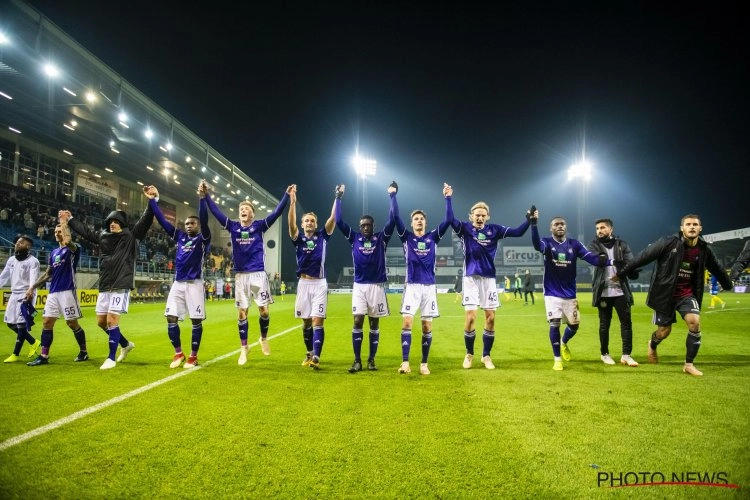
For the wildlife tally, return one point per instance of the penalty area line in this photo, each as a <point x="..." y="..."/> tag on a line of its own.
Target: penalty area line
<point x="9" y="443"/>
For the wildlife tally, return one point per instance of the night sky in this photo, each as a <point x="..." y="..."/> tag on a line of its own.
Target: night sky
<point x="497" y="101"/>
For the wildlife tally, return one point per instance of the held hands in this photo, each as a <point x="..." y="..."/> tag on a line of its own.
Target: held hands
<point x="290" y="188"/>
<point x="339" y="191"/>
<point x="203" y="188"/>
<point x="64" y="216"/>
<point x="393" y="188"/>
<point x="151" y="192"/>
<point x="447" y="190"/>
<point x="532" y="215"/>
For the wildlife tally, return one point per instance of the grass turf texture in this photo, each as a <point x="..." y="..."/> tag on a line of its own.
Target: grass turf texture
<point x="272" y="428"/>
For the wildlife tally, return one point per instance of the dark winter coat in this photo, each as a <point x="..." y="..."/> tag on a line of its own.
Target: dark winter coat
<point x="118" y="251"/>
<point x="668" y="252"/>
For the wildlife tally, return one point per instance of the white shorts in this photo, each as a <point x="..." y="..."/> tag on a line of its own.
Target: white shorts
<point x="369" y="300"/>
<point x="115" y="302"/>
<point x="480" y="292"/>
<point x="566" y="309"/>
<point x="252" y="286"/>
<point x="62" y="305"/>
<point x="312" y="298"/>
<point x="420" y="297"/>
<point x="186" y="298"/>
<point x="13" y="314"/>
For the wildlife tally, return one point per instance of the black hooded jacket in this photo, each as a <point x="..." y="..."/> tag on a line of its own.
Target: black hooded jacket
<point x="668" y="252"/>
<point x="118" y="250"/>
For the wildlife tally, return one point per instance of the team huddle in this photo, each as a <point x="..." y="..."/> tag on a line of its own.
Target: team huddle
<point x="677" y="281"/>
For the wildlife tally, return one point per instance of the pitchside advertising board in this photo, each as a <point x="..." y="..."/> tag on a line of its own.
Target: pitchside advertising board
<point x="85" y="298"/>
<point x="521" y="257"/>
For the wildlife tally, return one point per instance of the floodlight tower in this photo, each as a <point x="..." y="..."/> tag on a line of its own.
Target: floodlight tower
<point x="365" y="167"/>
<point x="582" y="172"/>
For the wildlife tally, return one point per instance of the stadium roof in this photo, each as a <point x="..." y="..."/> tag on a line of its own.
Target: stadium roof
<point x="93" y="116"/>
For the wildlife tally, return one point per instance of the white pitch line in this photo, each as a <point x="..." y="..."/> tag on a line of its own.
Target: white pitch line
<point x="8" y="443"/>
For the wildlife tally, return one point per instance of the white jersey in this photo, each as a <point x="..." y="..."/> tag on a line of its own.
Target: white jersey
<point x="21" y="273"/>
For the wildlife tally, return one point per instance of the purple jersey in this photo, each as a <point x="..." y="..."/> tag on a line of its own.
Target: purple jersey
<point x="63" y="262"/>
<point x="420" y="250"/>
<point x="368" y="254"/>
<point x="311" y="253"/>
<point x="479" y="246"/>
<point x="560" y="263"/>
<point x="247" y="241"/>
<point x="191" y="251"/>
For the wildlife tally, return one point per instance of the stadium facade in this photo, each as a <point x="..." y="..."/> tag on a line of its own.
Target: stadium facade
<point x="75" y="132"/>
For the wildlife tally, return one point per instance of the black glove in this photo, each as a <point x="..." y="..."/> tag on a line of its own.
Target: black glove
<point x="619" y="264"/>
<point x="394" y="185"/>
<point x="338" y="192"/>
<point x="530" y="216"/>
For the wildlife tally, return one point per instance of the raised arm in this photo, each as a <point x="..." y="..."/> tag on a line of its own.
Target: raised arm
<point x="331" y="222"/>
<point x="141" y="227"/>
<point x="163" y="222"/>
<point x="536" y="241"/>
<point x="67" y="237"/>
<point x="280" y="207"/>
<point x="393" y="212"/>
<point x="449" y="217"/>
<point x="517" y="231"/>
<point x="78" y="226"/>
<point x="203" y="218"/>
<point x="292" y="216"/>
<point x="343" y="226"/>
<point x="215" y="210"/>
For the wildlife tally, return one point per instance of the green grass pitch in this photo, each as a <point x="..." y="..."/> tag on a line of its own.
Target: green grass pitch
<point x="273" y="429"/>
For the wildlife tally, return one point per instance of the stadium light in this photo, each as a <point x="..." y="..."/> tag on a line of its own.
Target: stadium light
<point x="580" y="172"/>
<point x="364" y="167"/>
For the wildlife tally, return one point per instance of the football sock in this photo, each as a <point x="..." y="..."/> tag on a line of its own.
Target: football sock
<point x="426" y="343"/>
<point x="20" y="338"/>
<point x="46" y="342"/>
<point x="197" y="335"/>
<point x="173" y="331"/>
<point x="357" y="344"/>
<point x="307" y="337"/>
<point x="242" y="327"/>
<point x="488" y="339"/>
<point x="114" y="339"/>
<point x="570" y="332"/>
<point x="692" y="344"/>
<point x="469" y="338"/>
<point x="80" y="337"/>
<point x="374" y="341"/>
<point x="554" y="339"/>
<point x="264" y="321"/>
<point x="318" y="337"/>
<point x="405" y="344"/>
